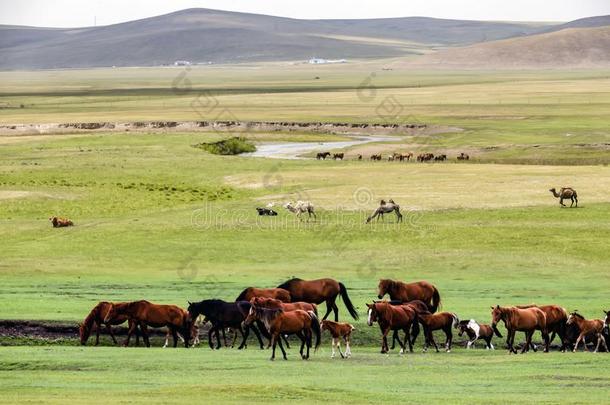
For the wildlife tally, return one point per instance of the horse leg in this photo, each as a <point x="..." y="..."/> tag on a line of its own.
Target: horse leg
<point x="384" y="340"/>
<point x="97" y="333"/>
<point x="577" y="343"/>
<point x="528" y="341"/>
<point x="244" y="336"/>
<point x="414" y="332"/>
<point x="408" y="341"/>
<point x="339" y="347"/>
<point x="258" y="336"/>
<point x="210" y="332"/>
<point x="285" y="341"/>
<point x="175" y="336"/>
<point x="449" y="340"/>
<point x="336" y="310"/>
<point x="511" y="341"/>
<point x="348" y="349"/>
<point x="329" y="307"/>
<point x="224" y="337"/>
<point x="111" y="333"/>
<point x="547" y="341"/>
<point x="273" y="343"/>
<point x="333" y="343"/>
<point x="129" y="332"/>
<point x="282" y="349"/>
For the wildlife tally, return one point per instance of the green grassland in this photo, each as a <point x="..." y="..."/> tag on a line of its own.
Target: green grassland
<point x="158" y="219"/>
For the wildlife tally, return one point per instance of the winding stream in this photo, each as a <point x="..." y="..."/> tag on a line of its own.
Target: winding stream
<point x="295" y="150"/>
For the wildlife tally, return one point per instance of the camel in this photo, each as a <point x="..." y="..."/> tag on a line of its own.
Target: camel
<point x="565" y="193"/>
<point x="301" y="207"/>
<point x="386" y="208"/>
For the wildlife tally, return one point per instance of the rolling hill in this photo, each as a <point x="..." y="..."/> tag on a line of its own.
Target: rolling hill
<point x="202" y="35"/>
<point x="568" y="48"/>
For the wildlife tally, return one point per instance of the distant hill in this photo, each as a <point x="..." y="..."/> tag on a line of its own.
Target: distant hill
<point x="589" y="22"/>
<point x="202" y="35"/>
<point x="572" y="47"/>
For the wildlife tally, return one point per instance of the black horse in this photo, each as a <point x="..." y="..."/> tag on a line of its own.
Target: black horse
<point x="221" y="315"/>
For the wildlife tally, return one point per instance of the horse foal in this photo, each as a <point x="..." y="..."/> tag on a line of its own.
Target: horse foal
<point x="339" y="331"/>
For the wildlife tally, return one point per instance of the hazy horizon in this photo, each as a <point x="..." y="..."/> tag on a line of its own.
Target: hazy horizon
<point x="72" y="13"/>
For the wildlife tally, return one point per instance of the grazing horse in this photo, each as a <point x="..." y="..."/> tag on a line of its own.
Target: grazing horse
<point x="593" y="327"/>
<point x="339" y="331"/>
<point x="322" y="155"/>
<point x="339" y="156"/>
<point x="145" y="313"/>
<point x="276" y="293"/>
<point x="221" y="315"/>
<point x="476" y="331"/>
<point x="319" y="291"/>
<point x="300" y="207"/>
<point x="463" y="156"/>
<point x="376" y="157"/>
<point x="392" y="317"/>
<point x="97" y="317"/>
<point x="278" y="322"/>
<point x="525" y="320"/>
<point x="446" y="321"/>
<point x="59" y="222"/>
<point x="405" y="292"/>
<point x="556" y="318"/>
<point x="386" y="208"/>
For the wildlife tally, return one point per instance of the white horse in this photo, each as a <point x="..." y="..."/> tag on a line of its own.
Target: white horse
<point x="300" y="207"/>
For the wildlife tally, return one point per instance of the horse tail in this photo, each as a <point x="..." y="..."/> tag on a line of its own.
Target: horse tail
<point x="315" y="309"/>
<point x="315" y="326"/>
<point x="348" y="303"/>
<point x="456" y="321"/>
<point x="436" y="300"/>
<point x="242" y="296"/>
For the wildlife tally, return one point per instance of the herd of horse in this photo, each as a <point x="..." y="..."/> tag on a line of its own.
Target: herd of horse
<point x="394" y="157"/>
<point x="291" y="309"/>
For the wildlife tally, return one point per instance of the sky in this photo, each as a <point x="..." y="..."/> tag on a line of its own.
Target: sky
<point x="78" y="13"/>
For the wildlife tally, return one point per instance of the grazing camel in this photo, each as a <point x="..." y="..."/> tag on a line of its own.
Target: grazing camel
<point x="565" y="193"/>
<point x="301" y="207"/>
<point x="386" y="208"/>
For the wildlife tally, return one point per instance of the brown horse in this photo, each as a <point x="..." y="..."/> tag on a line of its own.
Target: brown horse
<point x="476" y="331"/>
<point x="286" y="306"/>
<point x="97" y="317"/>
<point x="593" y="327"/>
<point x="445" y="321"/>
<point x="252" y="292"/>
<point x="405" y="292"/>
<point x="319" y="291"/>
<point x="556" y="318"/>
<point x="146" y="313"/>
<point x="278" y="322"/>
<point x="525" y="320"/>
<point x="392" y="317"/>
<point x="339" y="331"/>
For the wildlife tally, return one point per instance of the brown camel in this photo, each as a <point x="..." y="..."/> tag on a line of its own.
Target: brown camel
<point x="566" y="193"/>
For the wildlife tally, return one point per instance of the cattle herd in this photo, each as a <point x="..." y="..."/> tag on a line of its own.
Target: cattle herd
<point x="291" y="309"/>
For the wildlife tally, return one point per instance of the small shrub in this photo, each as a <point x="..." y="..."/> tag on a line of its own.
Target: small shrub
<point x="231" y="146"/>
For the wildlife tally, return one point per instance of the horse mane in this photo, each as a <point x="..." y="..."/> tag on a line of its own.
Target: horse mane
<point x="268" y="314"/>
<point x="576" y="314"/>
<point x="286" y="285"/>
<point x="88" y="322"/>
<point x="242" y="295"/>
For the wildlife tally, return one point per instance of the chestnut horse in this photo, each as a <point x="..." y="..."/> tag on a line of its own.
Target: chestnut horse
<point x="278" y="322"/>
<point x="339" y="331"/>
<point x="525" y="320"/>
<point x="319" y="291"/>
<point x="392" y="317"/>
<point x="276" y="293"/>
<point x="97" y="317"/>
<point x="145" y="313"/>
<point x="445" y="321"/>
<point x="405" y="292"/>
<point x="593" y="327"/>
<point x="556" y="319"/>
<point x="286" y="306"/>
<point x="59" y="222"/>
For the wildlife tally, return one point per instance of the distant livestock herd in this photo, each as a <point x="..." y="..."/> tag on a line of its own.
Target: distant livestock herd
<point x="394" y="157"/>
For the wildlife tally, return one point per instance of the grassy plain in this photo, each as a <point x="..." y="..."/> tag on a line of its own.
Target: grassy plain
<point x="161" y="220"/>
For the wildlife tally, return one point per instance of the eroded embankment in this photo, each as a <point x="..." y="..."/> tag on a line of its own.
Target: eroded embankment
<point x="237" y="126"/>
